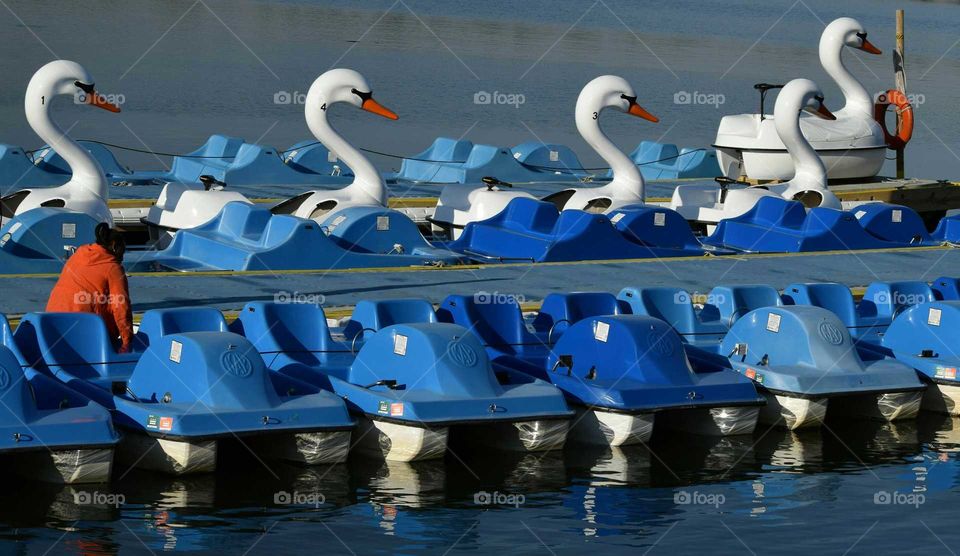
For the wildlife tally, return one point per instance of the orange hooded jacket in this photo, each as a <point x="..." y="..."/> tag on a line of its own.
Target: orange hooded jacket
<point x="93" y="281"/>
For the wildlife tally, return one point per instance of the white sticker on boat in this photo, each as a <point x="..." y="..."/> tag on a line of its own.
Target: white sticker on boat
<point x="896" y="215"/>
<point x="338" y="220"/>
<point x="933" y="316"/>
<point x="859" y="214"/>
<point x="68" y="230"/>
<point x="14" y="227"/>
<point x="773" y="322"/>
<point x="383" y="223"/>
<point x="400" y="344"/>
<point x="660" y="219"/>
<point x="601" y="331"/>
<point x="617" y="217"/>
<point x="175" y="349"/>
<point x="516" y="155"/>
<point x="331" y="156"/>
<point x="554" y="156"/>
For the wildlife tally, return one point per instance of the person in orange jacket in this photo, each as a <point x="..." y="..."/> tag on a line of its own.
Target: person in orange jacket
<point x="93" y="281"/>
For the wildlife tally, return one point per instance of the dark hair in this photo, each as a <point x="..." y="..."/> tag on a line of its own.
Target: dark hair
<point x="110" y="239"/>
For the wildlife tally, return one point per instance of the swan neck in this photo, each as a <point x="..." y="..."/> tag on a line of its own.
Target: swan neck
<point x="627" y="180"/>
<point x="809" y="171"/>
<point x="367" y="180"/>
<point x="855" y="94"/>
<point x="87" y="175"/>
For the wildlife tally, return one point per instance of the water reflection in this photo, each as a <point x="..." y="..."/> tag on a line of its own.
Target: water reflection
<point x="591" y="493"/>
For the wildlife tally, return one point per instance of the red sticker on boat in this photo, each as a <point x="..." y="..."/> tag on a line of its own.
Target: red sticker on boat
<point x="396" y="409"/>
<point x="751" y="373"/>
<point x="166" y="423"/>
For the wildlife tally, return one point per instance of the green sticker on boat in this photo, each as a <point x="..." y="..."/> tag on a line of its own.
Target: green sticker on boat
<point x="759" y="378"/>
<point x="383" y="407"/>
<point x="153" y="422"/>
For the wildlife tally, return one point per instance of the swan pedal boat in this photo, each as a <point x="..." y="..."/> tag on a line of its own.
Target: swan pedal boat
<point x="852" y="146"/>
<point x="744" y="328"/>
<point x="623" y="373"/>
<point x="181" y="392"/>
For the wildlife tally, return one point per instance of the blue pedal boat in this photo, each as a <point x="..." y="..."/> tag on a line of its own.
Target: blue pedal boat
<point x="246" y="237"/>
<point x="408" y="378"/>
<point x="535" y="231"/>
<point x="621" y="372"/>
<point x="776" y="225"/>
<point x="181" y="391"/>
<point x="900" y="321"/>
<point x="801" y="358"/>
<point x="47" y="431"/>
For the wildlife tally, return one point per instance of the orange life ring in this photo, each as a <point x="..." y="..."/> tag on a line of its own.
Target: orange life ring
<point x="904" y="115"/>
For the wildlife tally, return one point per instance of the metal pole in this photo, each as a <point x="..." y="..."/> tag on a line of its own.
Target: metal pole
<point x="901" y="80"/>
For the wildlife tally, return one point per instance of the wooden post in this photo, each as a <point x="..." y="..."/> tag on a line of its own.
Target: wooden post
<point x="901" y="80"/>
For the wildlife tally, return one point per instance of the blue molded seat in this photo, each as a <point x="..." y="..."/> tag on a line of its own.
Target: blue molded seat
<point x="376" y="315"/>
<point x="884" y="300"/>
<point x="157" y="323"/>
<point x="540" y="157"/>
<point x="76" y="342"/>
<point x="948" y="229"/>
<point x="675" y="307"/>
<point x="836" y="298"/>
<point x="946" y="288"/>
<point x="498" y="322"/>
<point x="291" y="328"/>
<point x="559" y="311"/>
<point x="735" y="301"/>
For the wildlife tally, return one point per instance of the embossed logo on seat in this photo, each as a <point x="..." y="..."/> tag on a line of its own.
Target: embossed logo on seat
<point x="236" y="363"/>
<point x="661" y="344"/>
<point x="831" y="333"/>
<point x="462" y="354"/>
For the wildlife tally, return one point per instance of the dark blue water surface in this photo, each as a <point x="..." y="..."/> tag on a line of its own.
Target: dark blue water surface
<point x="859" y="488"/>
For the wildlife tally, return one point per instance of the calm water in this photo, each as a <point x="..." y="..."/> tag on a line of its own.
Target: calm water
<point x="188" y="69"/>
<point x="865" y="488"/>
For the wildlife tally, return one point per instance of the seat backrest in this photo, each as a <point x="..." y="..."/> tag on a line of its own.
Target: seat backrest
<point x="285" y="327"/>
<point x="375" y="315"/>
<point x="76" y="342"/>
<point x="157" y="323"/>
<point x="946" y="288"/>
<point x="529" y="214"/>
<point x="671" y="305"/>
<point x="445" y="149"/>
<point x="884" y="300"/>
<point x="836" y="298"/>
<point x="561" y="310"/>
<point x="735" y="301"/>
<point x="495" y="319"/>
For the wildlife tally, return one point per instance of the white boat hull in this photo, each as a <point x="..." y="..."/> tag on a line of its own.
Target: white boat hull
<point x="530" y="436"/>
<point x="307" y="448"/>
<point x="793" y="413"/>
<point x="607" y="428"/>
<point x="942" y="398"/>
<point x="85" y="465"/>
<point x="776" y="164"/>
<point x="175" y="457"/>
<point x="395" y="442"/>
<point x="715" y="421"/>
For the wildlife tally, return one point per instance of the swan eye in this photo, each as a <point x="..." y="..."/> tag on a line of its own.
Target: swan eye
<point x="862" y="36"/>
<point x="819" y="98"/>
<point x="631" y="100"/>
<point x="363" y="96"/>
<point x="84" y="87"/>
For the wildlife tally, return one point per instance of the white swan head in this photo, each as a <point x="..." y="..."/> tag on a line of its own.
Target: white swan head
<point x="608" y="91"/>
<point x="846" y="31"/>
<point x="809" y="183"/>
<point x="346" y="86"/>
<point x="62" y="78"/>
<point x="627" y="185"/>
